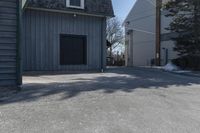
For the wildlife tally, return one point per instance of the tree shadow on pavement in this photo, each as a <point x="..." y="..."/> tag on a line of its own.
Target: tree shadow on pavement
<point x="113" y="80"/>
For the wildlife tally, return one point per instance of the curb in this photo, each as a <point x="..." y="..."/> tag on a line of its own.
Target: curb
<point x="189" y="73"/>
<point x="184" y="74"/>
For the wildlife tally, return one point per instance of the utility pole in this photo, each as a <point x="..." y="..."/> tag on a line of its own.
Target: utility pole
<point x="158" y="32"/>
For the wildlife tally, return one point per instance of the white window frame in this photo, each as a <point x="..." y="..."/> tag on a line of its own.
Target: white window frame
<point x="79" y="7"/>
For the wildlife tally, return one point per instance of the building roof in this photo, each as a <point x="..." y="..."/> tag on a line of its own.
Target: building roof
<point x="93" y="7"/>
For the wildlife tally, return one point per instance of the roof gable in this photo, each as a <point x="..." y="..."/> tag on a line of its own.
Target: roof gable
<point x="140" y="8"/>
<point x="96" y="7"/>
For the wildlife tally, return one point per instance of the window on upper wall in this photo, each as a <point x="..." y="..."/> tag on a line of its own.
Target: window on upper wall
<point x="80" y="4"/>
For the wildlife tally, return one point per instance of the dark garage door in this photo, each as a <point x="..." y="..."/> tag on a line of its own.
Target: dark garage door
<point x="73" y="50"/>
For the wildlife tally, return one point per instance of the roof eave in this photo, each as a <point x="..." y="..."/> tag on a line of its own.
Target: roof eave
<point x="70" y="12"/>
<point x="24" y="4"/>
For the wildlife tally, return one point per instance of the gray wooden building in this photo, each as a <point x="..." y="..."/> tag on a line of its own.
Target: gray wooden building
<point x="65" y="35"/>
<point x="9" y="43"/>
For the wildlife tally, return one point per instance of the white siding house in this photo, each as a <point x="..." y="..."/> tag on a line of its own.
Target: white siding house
<point x="166" y="42"/>
<point x="140" y="28"/>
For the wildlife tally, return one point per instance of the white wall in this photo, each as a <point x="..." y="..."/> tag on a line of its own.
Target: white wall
<point x="165" y="21"/>
<point x="171" y="53"/>
<point x="142" y="21"/>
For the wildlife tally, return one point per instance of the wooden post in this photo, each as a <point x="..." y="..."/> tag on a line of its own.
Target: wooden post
<point x="158" y="31"/>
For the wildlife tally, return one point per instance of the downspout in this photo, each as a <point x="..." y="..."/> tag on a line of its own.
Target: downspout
<point x="18" y="45"/>
<point x="103" y="44"/>
<point x="131" y="48"/>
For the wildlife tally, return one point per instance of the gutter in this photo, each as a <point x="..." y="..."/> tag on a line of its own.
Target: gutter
<point x="68" y="12"/>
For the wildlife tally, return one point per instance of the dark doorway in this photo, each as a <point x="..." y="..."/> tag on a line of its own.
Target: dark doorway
<point x="73" y="50"/>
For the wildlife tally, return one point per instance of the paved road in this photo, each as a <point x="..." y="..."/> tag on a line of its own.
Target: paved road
<point x="122" y="100"/>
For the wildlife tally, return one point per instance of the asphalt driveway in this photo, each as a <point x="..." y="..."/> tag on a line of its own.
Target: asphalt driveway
<point x="121" y="100"/>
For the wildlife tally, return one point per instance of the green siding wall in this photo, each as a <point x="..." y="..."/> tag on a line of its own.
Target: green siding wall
<point x="8" y="42"/>
<point x="41" y="40"/>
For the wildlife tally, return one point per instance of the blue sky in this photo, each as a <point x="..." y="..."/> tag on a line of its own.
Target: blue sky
<point x="122" y="8"/>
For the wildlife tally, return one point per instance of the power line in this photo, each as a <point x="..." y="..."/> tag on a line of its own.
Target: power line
<point x="140" y="30"/>
<point x="154" y="4"/>
<point x="136" y="13"/>
<point x="144" y="42"/>
<point x="140" y="18"/>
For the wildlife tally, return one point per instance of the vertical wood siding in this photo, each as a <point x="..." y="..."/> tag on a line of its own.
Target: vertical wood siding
<point x="8" y="41"/>
<point x="41" y="37"/>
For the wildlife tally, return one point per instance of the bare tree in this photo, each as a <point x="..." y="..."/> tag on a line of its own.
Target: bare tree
<point x="115" y="34"/>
